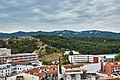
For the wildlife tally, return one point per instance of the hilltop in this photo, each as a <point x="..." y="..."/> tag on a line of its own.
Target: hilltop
<point x="47" y="45"/>
<point x="66" y="33"/>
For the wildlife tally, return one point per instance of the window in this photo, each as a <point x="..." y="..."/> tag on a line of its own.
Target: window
<point x="45" y="69"/>
<point x="53" y="68"/>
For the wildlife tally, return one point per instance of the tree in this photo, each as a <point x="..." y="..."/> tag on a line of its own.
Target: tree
<point x="117" y="58"/>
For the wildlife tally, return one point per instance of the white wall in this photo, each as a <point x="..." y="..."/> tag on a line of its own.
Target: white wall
<point x="5" y="51"/>
<point x="20" y="68"/>
<point x="26" y="77"/>
<point x="5" y="69"/>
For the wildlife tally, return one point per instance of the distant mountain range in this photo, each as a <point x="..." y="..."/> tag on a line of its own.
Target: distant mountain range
<point x="66" y="33"/>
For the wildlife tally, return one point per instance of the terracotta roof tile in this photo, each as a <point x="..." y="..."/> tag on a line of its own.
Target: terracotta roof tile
<point x="73" y="66"/>
<point x="21" y="63"/>
<point x="33" y="70"/>
<point x="40" y="74"/>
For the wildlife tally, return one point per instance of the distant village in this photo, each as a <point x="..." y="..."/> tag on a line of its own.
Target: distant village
<point x="27" y="66"/>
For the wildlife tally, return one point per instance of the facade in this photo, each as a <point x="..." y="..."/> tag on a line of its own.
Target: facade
<point x="109" y="78"/>
<point x="111" y="68"/>
<point x="75" y="72"/>
<point x="46" y="72"/>
<point x="86" y="58"/>
<point x="71" y="67"/>
<point x="79" y="75"/>
<point x="5" y="51"/>
<point x="23" y="76"/>
<point x="5" y="70"/>
<point x="74" y="52"/>
<point x="19" y="67"/>
<point x="13" y="68"/>
<point x="27" y="57"/>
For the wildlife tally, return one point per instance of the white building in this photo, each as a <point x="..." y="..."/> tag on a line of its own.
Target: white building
<point x="5" y="51"/>
<point x="14" y="68"/>
<point x="5" y="70"/>
<point x="79" y="75"/>
<point x="23" y="76"/>
<point x="71" y="67"/>
<point x="86" y="58"/>
<point x="91" y="58"/>
<point x="27" y="57"/>
<point x="19" y="67"/>
<point x="74" y="52"/>
<point x="75" y="72"/>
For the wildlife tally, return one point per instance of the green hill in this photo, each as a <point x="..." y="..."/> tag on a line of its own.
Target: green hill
<point x="48" y="44"/>
<point x="85" y="45"/>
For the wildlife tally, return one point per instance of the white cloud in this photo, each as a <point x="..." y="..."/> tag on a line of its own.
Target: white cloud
<point x="60" y="14"/>
<point x="3" y="15"/>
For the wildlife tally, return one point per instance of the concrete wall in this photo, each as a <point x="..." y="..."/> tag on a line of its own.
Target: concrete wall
<point x="26" y="77"/>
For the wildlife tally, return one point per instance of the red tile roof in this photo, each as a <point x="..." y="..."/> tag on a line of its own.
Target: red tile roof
<point x="49" y="70"/>
<point x="19" y="77"/>
<point x="73" y="66"/>
<point x="33" y="70"/>
<point x="21" y="63"/>
<point x="52" y="71"/>
<point x="110" y="79"/>
<point x="114" y="64"/>
<point x="40" y="74"/>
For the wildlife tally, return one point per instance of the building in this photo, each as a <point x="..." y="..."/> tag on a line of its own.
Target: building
<point x="19" y="67"/>
<point x="46" y="72"/>
<point x="91" y="58"/>
<point x="86" y="58"/>
<point x="75" y="72"/>
<point x="27" y="57"/>
<point x="5" y="51"/>
<point x="5" y="70"/>
<point x="74" y="52"/>
<point x="71" y="67"/>
<point x="23" y="76"/>
<point x="109" y="78"/>
<point x="111" y="68"/>
<point x="13" y="68"/>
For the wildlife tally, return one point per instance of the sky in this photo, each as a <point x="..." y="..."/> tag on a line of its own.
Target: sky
<point x="51" y="15"/>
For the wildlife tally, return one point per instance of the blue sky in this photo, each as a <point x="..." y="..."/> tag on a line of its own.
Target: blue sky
<point x="50" y="15"/>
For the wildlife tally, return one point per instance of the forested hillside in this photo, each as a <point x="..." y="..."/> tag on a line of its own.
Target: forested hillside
<point x="47" y="44"/>
<point x="66" y="33"/>
<point x="18" y="45"/>
<point x="85" y="45"/>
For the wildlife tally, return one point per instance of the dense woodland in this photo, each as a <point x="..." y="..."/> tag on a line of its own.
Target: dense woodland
<point x="18" y="45"/>
<point x="85" y="45"/>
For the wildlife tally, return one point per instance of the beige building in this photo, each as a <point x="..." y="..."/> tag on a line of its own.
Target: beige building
<point x="5" y="51"/>
<point x="27" y="57"/>
<point x="75" y="72"/>
<point x="23" y="76"/>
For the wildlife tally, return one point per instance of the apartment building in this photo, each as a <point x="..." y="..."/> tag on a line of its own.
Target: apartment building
<point x="91" y="58"/>
<point x="23" y="76"/>
<point x="86" y="58"/>
<point x="75" y="72"/>
<point x="71" y="67"/>
<point x="13" y="68"/>
<point x="45" y="72"/>
<point x="19" y="67"/>
<point x="27" y="57"/>
<point x="5" y="51"/>
<point x="5" y="70"/>
<point x="109" y="78"/>
<point x="111" y="68"/>
<point x="38" y="73"/>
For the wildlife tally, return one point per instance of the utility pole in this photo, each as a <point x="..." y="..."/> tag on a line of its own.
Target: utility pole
<point x="59" y="70"/>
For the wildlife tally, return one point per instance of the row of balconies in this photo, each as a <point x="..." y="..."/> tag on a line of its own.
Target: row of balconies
<point x="1" y="68"/>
